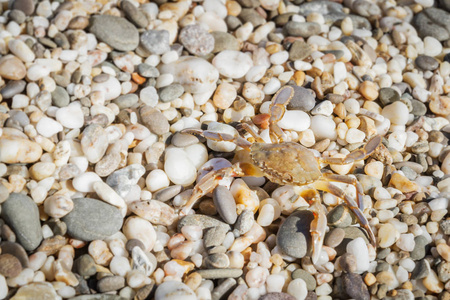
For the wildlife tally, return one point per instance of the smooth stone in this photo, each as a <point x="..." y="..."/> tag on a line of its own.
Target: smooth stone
<point x="60" y="97"/>
<point x="201" y="220"/>
<point x="418" y="108"/>
<point x="12" y="68"/>
<point x="334" y="237"/>
<point x="92" y="219"/>
<point x="20" y="212"/>
<point x="84" y="265"/>
<point x="224" y="41"/>
<point x="214" y="236"/>
<point x="252" y="16"/>
<point x="126" y="101"/>
<point x="220" y="273"/>
<point x="225" y="204"/>
<point x="94" y="142"/>
<point x="355" y="287"/>
<point x="10" y="265"/>
<point x="167" y="193"/>
<point x="302" y="99"/>
<point x="122" y="180"/>
<point x="233" y="64"/>
<point x="156" y="41"/>
<point x="293" y="236"/>
<point x="115" y="31"/>
<point x="147" y="71"/>
<point x="419" y="250"/>
<point x="217" y="260"/>
<point x="17" y="250"/>
<point x="445" y="226"/>
<point x="307" y="277"/>
<point x="299" y="50"/>
<point x="351" y="233"/>
<point x="304" y="30"/>
<point x="340" y="217"/>
<point x="426" y="63"/>
<point x="196" y="40"/>
<point x="134" y="14"/>
<point x="174" y="290"/>
<point x="277" y="296"/>
<point x="421" y="269"/>
<point x="443" y="271"/>
<point x="110" y="283"/>
<point x="35" y="291"/>
<point x="388" y="96"/>
<point x="154" y="119"/>
<point x="12" y="88"/>
<point x="183" y="140"/>
<point x="171" y="92"/>
<point x="433" y="22"/>
<point x="98" y="297"/>
<point x="244" y="222"/>
<point x="26" y="6"/>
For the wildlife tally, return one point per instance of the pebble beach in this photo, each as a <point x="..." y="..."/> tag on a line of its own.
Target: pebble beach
<point x="95" y="171"/>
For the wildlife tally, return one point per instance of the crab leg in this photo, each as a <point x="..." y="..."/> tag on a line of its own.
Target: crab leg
<point x="250" y="130"/>
<point x="219" y="137"/>
<point x="211" y="180"/>
<point x="332" y="189"/>
<point x="359" y="154"/>
<point x="348" y="180"/>
<point x="277" y="109"/>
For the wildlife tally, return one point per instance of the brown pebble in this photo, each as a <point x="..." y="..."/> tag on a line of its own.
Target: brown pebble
<point x="335" y="237"/>
<point x="79" y="22"/>
<point x="9" y="265"/>
<point x="52" y="244"/>
<point x="369" y="90"/>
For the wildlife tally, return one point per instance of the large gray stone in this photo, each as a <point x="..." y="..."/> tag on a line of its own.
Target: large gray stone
<point x="433" y="22"/>
<point x="115" y="31"/>
<point x="21" y="213"/>
<point x="294" y="237"/>
<point x="92" y="219"/>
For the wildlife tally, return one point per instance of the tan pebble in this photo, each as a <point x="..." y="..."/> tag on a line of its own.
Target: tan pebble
<point x="245" y="198"/>
<point x="444" y="251"/>
<point x="182" y="250"/>
<point x="157" y="212"/>
<point x="12" y="68"/>
<point x="193" y="280"/>
<point x="62" y="273"/>
<point x="403" y="184"/>
<point x="322" y="278"/>
<point x="369" y="90"/>
<point x="42" y="170"/>
<point x="18" y="150"/>
<point x="57" y="206"/>
<point x="440" y="105"/>
<point x="224" y="95"/>
<point x="175" y="240"/>
<point x="374" y="169"/>
<point x="9" y="265"/>
<point x="370" y="279"/>
<point x="53" y="244"/>
<point x="385" y="277"/>
<point x="233" y="8"/>
<point x="347" y="26"/>
<point x="432" y="283"/>
<point x="100" y="252"/>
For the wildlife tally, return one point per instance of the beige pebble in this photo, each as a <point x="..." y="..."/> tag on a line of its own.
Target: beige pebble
<point x="369" y="90"/>
<point x="12" y="68"/>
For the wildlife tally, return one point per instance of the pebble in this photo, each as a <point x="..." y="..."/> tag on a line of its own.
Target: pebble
<point x="220" y="273"/>
<point x="110" y="283"/>
<point x="134" y="14"/>
<point x="293" y="236"/>
<point x="92" y="219"/>
<point x="60" y="97"/>
<point x="396" y="112"/>
<point x="12" y="68"/>
<point x="355" y="287"/>
<point x="388" y="95"/>
<point x="12" y="88"/>
<point x="433" y="22"/>
<point x="115" y="31"/>
<point x="85" y="265"/>
<point x="224" y="41"/>
<point x="173" y="290"/>
<point x="303" y="30"/>
<point x="277" y="296"/>
<point x="154" y="119"/>
<point x="358" y="248"/>
<point x="306" y="277"/>
<point x="426" y="63"/>
<point x="225" y="204"/>
<point x="155" y="41"/>
<point x="196" y="40"/>
<point x="171" y="92"/>
<point x="26" y="6"/>
<point x="233" y="64"/>
<point x="21" y="214"/>
<point x="9" y="265"/>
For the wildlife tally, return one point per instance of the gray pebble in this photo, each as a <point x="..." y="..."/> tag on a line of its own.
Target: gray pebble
<point x="20" y="117"/>
<point x="201" y="220"/>
<point x="214" y="236"/>
<point x="355" y="287"/>
<point x="92" y="219"/>
<point x="322" y="7"/>
<point x="304" y="30"/>
<point x="134" y="243"/>
<point x="196" y="40"/>
<point x="4" y="193"/>
<point x="12" y="88"/>
<point x="60" y="97"/>
<point x="409" y="173"/>
<point x="217" y="261"/>
<point x="334" y="237"/>
<point x="340" y="216"/>
<point x="347" y="262"/>
<point x="110" y="283"/>
<point x="85" y="265"/>
<point x="250" y="15"/>
<point x="115" y="31"/>
<point x="154" y="120"/>
<point x="220" y="273"/>
<point x="337" y="53"/>
<point x="365" y="8"/>
<point x="307" y="277"/>
<point x="282" y="19"/>
<point x="433" y="22"/>
<point x="168" y="193"/>
<point x="244" y="222"/>
<point x="443" y="271"/>
<point x="223" y="289"/>
<point x="122" y="180"/>
<point x="134" y="14"/>
<point x="224" y="41"/>
<point x="225" y="204"/>
<point x="302" y="100"/>
<point x="21" y="213"/>
<point x="294" y="237"/>
<point x="418" y="108"/>
<point x="232" y="22"/>
<point x="277" y="296"/>
<point x="299" y="50"/>
<point x="98" y="297"/>
<point x="126" y="101"/>
<point x="170" y="92"/>
<point x="183" y="140"/>
<point x="17" y="16"/>
<point x="155" y="41"/>
<point x="17" y="250"/>
<point x="388" y="96"/>
<point x="147" y="71"/>
<point x="426" y="63"/>
<point x="419" y="250"/>
<point x="27" y="6"/>
<point x="421" y="269"/>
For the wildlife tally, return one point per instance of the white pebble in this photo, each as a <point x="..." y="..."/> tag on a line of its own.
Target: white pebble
<point x="85" y="182"/>
<point x="298" y="289"/>
<point x="70" y="116"/>
<point x="233" y="64"/>
<point x="48" y="127"/>
<point x="432" y="47"/>
<point x="295" y="120"/>
<point x="358" y="248"/>
<point x="156" y="180"/>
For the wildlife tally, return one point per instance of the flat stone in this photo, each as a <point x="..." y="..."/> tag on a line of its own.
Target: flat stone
<point x="299" y="50"/>
<point x="60" y="97"/>
<point x="214" y="236"/>
<point x="293" y="236"/>
<point x="334" y="237"/>
<point x="26" y="6"/>
<point x="418" y="108"/>
<point x="355" y="287"/>
<point x="225" y="204"/>
<point x="277" y="296"/>
<point x="154" y="119"/>
<point x="92" y="219"/>
<point x="419" y="250"/>
<point x="12" y="68"/>
<point x="167" y="193"/>
<point x="110" y="283"/>
<point x="155" y="41"/>
<point x="299" y="29"/>
<point x="340" y="216"/>
<point x="147" y="71"/>
<point x="244" y="221"/>
<point x="302" y="99"/>
<point x="36" y="290"/>
<point x="170" y="92"/>
<point x="201" y="220"/>
<point x="183" y="139"/>
<point x="433" y="22"/>
<point x="196" y="40"/>
<point x="115" y="31"/>
<point x="307" y="277"/>
<point x="224" y="41"/>
<point x="126" y="101"/>
<point x="12" y="88"/>
<point x="220" y="273"/>
<point x="252" y="16"/>
<point x="17" y="250"/>
<point x="174" y="290"/>
<point x="217" y="260"/>
<point x="388" y="96"/>
<point x="426" y="63"/>
<point x="351" y="233"/>
<point x="134" y="14"/>
<point x="10" y="265"/>
<point x="20" y="212"/>
<point x="85" y="265"/>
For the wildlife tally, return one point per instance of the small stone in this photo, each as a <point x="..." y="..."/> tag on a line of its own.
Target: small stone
<point x="340" y="216"/>
<point x="304" y="30"/>
<point x="443" y="271"/>
<point x="126" y="101"/>
<point x="419" y="250"/>
<point x="388" y="96"/>
<point x="299" y="50"/>
<point x="293" y="236"/>
<point x="233" y="64"/>
<point x="110" y="283"/>
<point x="307" y="277"/>
<point x="134" y="14"/>
<point x="217" y="260"/>
<point x="60" y="97"/>
<point x="9" y="265"/>
<point x="252" y="16"/>
<point x="171" y="92"/>
<point x="12" y="88"/>
<point x="201" y="220"/>
<point x="147" y="71"/>
<point x="92" y="219"/>
<point x="12" y="68"/>
<point x="421" y="269"/>
<point x="277" y="296"/>
<point x="396" y="112"/>
<point x="154" y="120"/>
<point x="26" y="6"/>
<point x="94" y="142"/>
<point x="334" y="237"/>
<point x="224" y="41"/>
<point x="225" y="204"/>
<point x="84" y="266"/>
<point x="115" y="31"/>
<point x="155" y="41"/>
<point x="219" y="273"/>
<point x="196" y="40"/>
<point x="355" y="287"/>
<point x="433" y="22"/>
<point x="358" y="248"/>
<point x="214" y="236"/>
<point x="303" y="99"/>
<point x="36" y="290"/>
<point x="369" y="90"/>
<point x="21" y="214"/>
<point x="16" y="250"/>
<point x="426" y="63"/>
<point x="244" y="221"/>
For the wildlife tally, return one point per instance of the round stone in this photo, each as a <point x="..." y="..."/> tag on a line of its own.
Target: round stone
<point x="92" y="219"/>
<point x="225" y="204"/>
<point x="233" y="64"/>
<point x="426" y="63"/>
<point x="339" y="216"/>
<point x="12" y="68"/>
<point x="196" y="40"/>
<point x="156" y="41"/>
<point x="21" y="213"/>
<point x="84" y="265"/>
<point x="307" y="277"/>
<point x="433" y="22"/>
<point x="60" y="97"/>
<point x="277" y="296"/>
<point x="294" y="237"/>
<point x="171" y="92"/>
<point x="115" y="31"/>
<point x="12" y="88"/>
<point x="9" y="265"/>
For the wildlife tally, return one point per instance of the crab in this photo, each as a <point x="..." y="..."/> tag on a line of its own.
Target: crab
<point x="288" y="163"/>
